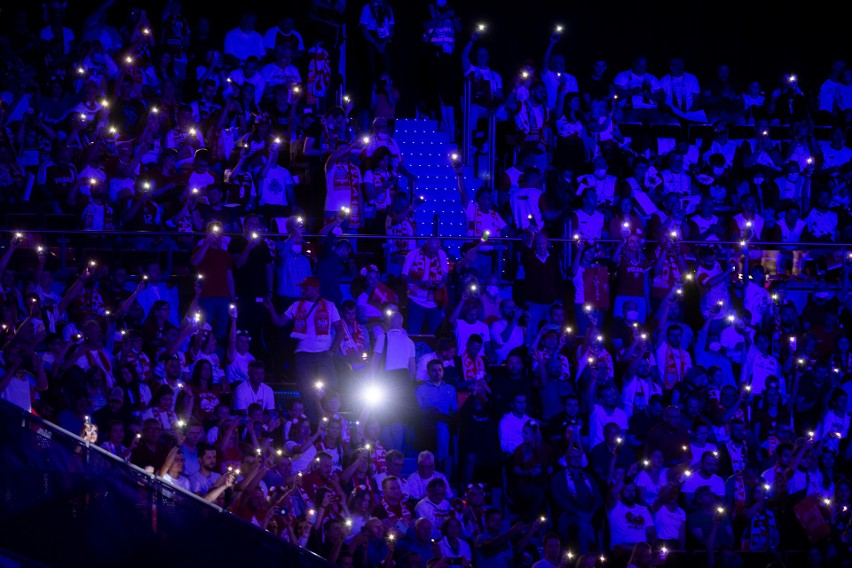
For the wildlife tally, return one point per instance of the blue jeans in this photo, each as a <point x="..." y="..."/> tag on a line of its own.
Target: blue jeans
<point x="417" y="315"/>
<point x="215" y="311"/>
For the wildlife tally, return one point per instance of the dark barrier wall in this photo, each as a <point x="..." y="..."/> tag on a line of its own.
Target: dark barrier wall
<point x="65" y="503"/>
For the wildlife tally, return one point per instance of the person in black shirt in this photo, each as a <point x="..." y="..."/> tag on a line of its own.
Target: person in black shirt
<point x="215" y="210"/>
<point x="543" y="280"/>
<point x="511" y="380"/>
<point x="566" y="428"/>
<point x="598" y="84"/>
<point x="254" y="271"/>
<point x="332" y="265"/>
<point x="479" y="442"/>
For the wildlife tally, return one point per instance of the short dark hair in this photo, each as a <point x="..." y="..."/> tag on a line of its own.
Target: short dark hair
<point x="443" y="344"/>
<point x="204" y="447"/>
<point x="387" y="479"/>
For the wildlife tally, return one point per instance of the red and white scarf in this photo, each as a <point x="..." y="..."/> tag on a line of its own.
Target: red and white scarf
<point x="91" y="302"/>
<point x="353" y="340"/>
<point x="563" y="360"/>
<point x="399" y="511"/>
<point x="378" y="456"/>
<point x="347" y="177"/>
<point x="141" y="362"/>
<point x="382" y="198"/>
<point x="98" y="358"/>
<point x="779" y="484"/>
<point x="739" y="491"/>
<point x="472" y="369"/>
<point x="738" y="454"/>
<point x="425" y="268"/>
<point x="168" y="414"/>
<point x="319" y="74"/>
<point x="405" y="228"/>
<point x="674" y="371"/>
<point x="322" y="320"/>
<point x="482" y="221"/>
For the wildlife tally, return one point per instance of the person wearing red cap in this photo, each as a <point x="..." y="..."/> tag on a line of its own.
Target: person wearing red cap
<point x="314" y="319"/>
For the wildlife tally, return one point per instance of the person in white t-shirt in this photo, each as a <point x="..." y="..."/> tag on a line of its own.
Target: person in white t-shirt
<point x="639" y="92"/>
<point x="511" y="426"/>
<point x="756" y="298"/>
<point x="283" y="34"/>
<point x="317" y="329"/>
<point x="377" y="28"/>
<point x="254" y="390"/>
<point x="506" y="333"/>
<point x="248" y="73"/>
<point x="281" y="70"/>
<point x="713" y="283"/>
<point x="604" y="412"/>
<point x="827" y="99"/>
<point x="465" y="318"/>
<point x="419" y="480"/>
<point x="425" y="273"/>
<point x="400" y="350"/>
<point x="275" y="184"/>
<point x="434" y="506"/>
<point x="601" y="181"/>
<point x="760" y="365"/>
<point x="629" y="522"/>
<point x="552" y="552"/>
<point x="528" y="204"/>
<point x="681" y="88"/>
<point x="237" y="355"/>
<point x="244" y="40"/>
<point x="844" y="95"/>
<point x="487" y="88"/>
<point x="553" y="73"/>
<point x="669" y="518"/>
<point x="705" y="476"/>
<point x="172" y="470"/>
<point x="821" y="222"/>
<point x="587" y="222"/>
<point x="835" y="153"/>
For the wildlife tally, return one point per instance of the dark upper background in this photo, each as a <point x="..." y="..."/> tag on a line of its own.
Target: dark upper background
<point x="760" y="40"/>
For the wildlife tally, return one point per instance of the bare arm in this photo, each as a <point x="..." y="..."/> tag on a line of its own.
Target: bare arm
<point x="279" y="320"/>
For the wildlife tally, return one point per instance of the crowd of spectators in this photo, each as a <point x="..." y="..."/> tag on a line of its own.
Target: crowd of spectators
<point x="680" y="387"/>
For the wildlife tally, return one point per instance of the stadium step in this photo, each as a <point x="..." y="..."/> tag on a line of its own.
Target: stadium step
<point x="426" y="152"/>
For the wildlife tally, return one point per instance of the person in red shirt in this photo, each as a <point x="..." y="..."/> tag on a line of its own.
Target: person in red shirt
<point x="321" y="481"/>
<point x="213" y="264"/>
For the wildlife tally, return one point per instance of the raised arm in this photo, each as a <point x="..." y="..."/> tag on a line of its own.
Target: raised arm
<point x="231" y="351"/>
<point x="463" y="196"/>
<point x="279" y="320"/>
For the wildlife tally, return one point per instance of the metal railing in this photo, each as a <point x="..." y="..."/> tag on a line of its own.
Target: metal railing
<point x="467" y="128"/>
<point x="66" y="502"/>
<point x="169" y="245"/>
